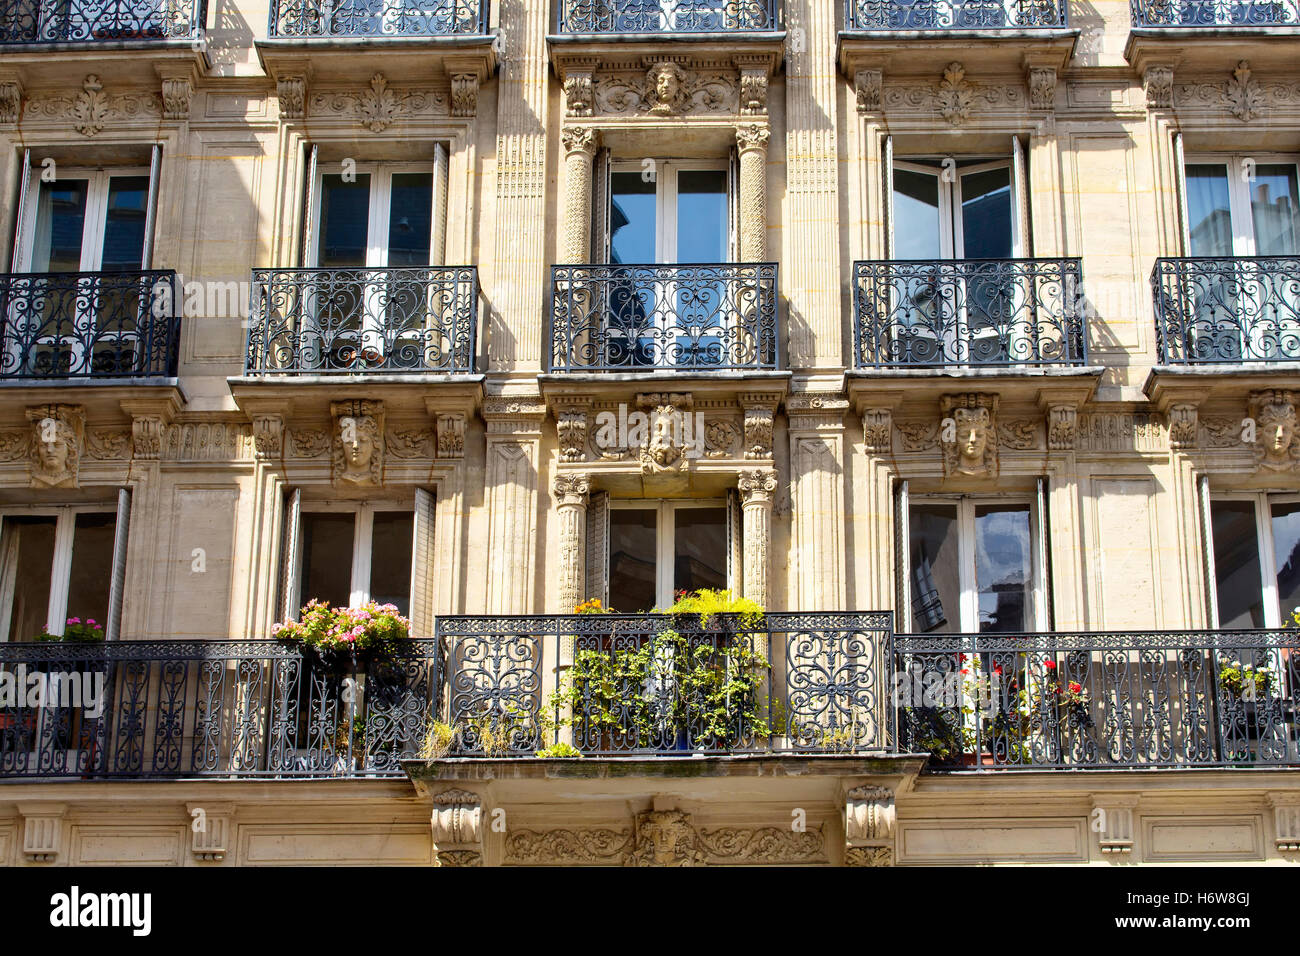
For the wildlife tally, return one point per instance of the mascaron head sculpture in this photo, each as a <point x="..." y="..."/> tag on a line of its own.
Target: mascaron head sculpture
<point x="973" y="450"/>
<point x="358" y="442"/>
<point x="665" y="88"/>
<point x="55" y="451"/>
<point x="1276" y="444"/>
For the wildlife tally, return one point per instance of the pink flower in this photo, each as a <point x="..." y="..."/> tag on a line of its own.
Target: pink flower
<point x="74" y="620"/>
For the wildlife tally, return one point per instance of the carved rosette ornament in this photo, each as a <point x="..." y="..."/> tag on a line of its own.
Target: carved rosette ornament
<point x="1158" y="84"/>
<point x="1182" y="426"/>
<point x="973" y="448"/>
<point x="457" y="824"/>
<point x="751" y="142"/>
<point x="1062" y="427"/>
<point x="665" y="838"/>
<point x="869" y="825"/>
<point x="954" y="96"/>
<point x="291" y="91"/>
<point x="1277" y="444"/>
<point x="867" y="86"/>
<point x="358" y="457"/>
<point x="667" y="89"/>
<point x="1243" y="95"/>
<point x="57" y="443"/>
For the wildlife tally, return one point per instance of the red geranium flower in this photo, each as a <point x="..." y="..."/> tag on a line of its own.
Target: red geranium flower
<point x="1050" y="665"/>
<point x="1075" y="687"/>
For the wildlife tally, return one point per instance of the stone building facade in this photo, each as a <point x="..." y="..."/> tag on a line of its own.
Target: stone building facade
<point x="969" y="318"/>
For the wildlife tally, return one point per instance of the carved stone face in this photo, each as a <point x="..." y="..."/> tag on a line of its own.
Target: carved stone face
<point x="54" y="453"/>
<point x="665" y="89"/>
<point x="359" y="439"/>
<point x="972" y="436"/>
<point x="1277" y="425"/>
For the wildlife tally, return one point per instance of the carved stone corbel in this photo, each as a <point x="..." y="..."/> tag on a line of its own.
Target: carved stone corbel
<point x="1158" y="84"/>
<point x="571" y="430"/>
<point x="954" y="96"/>
<point x="11" y="97"/>
<point x="457" y="824"/>
<point x="1286" y="821"/>
<point x="210" y="830"/>
<point x="867" y="89"/>
<point x="464" y="94"/>
<point x="177" y="91"/>
<point x="760" y="413"/>
<point x="450" y="428"/>
<point x="42" y="831"/>
<point x="1041" y="81"/>
<point x="869" y="826"/>
<point x="753" y="85"/>
<point x="1112" y="821"/>
<point x="291" y="92"/>
<point x="1182" y="426"/>
<point x="878" y="430"/>
<point x="1062" y="427"/>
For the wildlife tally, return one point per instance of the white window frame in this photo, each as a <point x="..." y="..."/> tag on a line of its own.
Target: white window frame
<point x="951" y="232"/>
<point x="380" y="208"/>
<point x="362" y="541"/>
<point x="60" y="566"/>
<point x="92" y="233"/>
<point x="665" y="536"/>
<point x="1239" y="208"/>
<point x="1263" y="502"/>
<point x="666" y="171"/>
<point x="969" y="616"/>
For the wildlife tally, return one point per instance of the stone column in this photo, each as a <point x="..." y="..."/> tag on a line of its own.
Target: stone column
<point x="757" y="486"/>
<point x="580" y="144"/>
<point x="570" y="490"/>
<point x="752" y="142"/>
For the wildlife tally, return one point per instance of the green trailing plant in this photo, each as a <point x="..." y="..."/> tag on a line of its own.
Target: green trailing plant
<point x="710" y="605"/>
<point x="559" y="751"/>
<point x="75" y="631"/>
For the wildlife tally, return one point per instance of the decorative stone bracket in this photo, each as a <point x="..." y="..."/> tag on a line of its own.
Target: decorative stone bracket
<point x="210" y="829"/>
<point x="1112" y="821"/>
<point x="42" y="831"/>
<point x="869" y="826"/>
<point x="457" y="823"/>
<point x="1286" y="821"/>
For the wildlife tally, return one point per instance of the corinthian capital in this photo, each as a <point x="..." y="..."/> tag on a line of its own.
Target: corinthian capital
<point x="580" y="139"/>
<point x="753" y="136"/>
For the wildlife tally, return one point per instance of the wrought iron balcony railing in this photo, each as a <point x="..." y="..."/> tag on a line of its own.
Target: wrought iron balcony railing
<point x="1227" y="310"/>
<point x="89" y="325"/>
<point x="661" y="684"/>
<point x="64" y="21"/>
<point x="355" y="19"/>
<point x="399" y="320"/>
<point x="940" y="15"/>
<point x="606" y="318"/>
<point x="939" y="313"/>
<point x="1121" y="700"/>
<point x="667" y="16"/>
<point x="1211" y="14"/>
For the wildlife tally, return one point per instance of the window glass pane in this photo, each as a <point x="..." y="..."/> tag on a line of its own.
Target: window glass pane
<point x="935" y="585"/>
<point x="1003" y="572"/>
<point x="390" y="559"/>
<point x="92" y="567"/>
<point x="1209" y="215"/>
<point x="326" y="573"/>
<point x="28" y="557"/>
<point x="1286" y="556"/>
<point x="632" y="539"/>
<point x="1273" y="207"/>
<point x="916" y="215"/>
<point x="344" y="221"/>
<point x="128" y="199"/>
<point x="702" y="221"/>
<point x="410" y="219"/>
<point x="631" y="219"/>
<point x="986" y="214"/>
<point x="1236" y="564"/>
<point x="700" y="546"/>
<point x="60" y="221"/>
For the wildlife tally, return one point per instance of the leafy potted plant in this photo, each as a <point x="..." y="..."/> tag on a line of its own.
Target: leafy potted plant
<point x="75" y="631"/>
<point x="344" y="633"/>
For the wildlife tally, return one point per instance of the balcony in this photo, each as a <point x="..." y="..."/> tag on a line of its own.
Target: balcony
<point x="968" y="313"/>
<point x="685" y="318"/>
<point x="1227" y="310"/>
<point x="372" y="321"/>
<point x="377" y="19"/>
<point x="1213" y="14"/>
<point x="939" y="15"/>
<point x="602" y="18"/>
<point x="99" y="21"/>
<point x="92" y="326"/>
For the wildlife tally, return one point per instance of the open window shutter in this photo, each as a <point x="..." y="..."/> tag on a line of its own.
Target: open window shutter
<point x="113" y="628"/>
<point x="1207" y="550"/>
<point x="1023" y="247"/>
<point x="902" y="559"/>
<point x="735" y="543"/>
<point x="1180" y="187"/>
<point x="887" y="178"/>
<point x="600" y="207"/>
<point x="598" y="547"/>
<point x="151" y="213"/>
<point x="290" y="556"/>
<point x="8" y="575"/>
<point x="309" y="209"/>
<point x="422" y="561"/>
<point x="438" y="240"/>
<point x="733" y="204"/>
<point x="21" y="212"/>
<point x="1043" y="558"/>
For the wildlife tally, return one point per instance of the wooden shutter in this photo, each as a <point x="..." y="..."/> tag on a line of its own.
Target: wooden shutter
<point x="306" y="254"/>
<point x="1023" y="245"/>
<point x="1207" y="551"/>
<point x="151" y="212"/>
<point x="735" y="543"/>
<point x="597" y="547"/>
<point x="887" y="178"/>
<point x="290" y="555"/>
<point x="423" y="585"/>
<point x="438" y="239"/>
<point x="600" y="192"/>
<point x="20" y="213"/>
<point x="1043" y="560"/>
<point x="1180" y="187"/>
<point x="113" y="627"/>
<point x="902" y="559"/>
